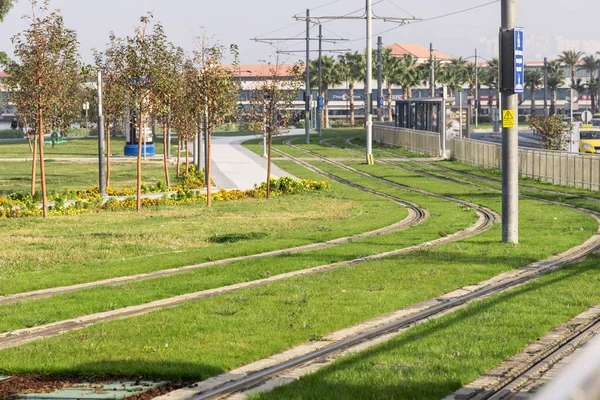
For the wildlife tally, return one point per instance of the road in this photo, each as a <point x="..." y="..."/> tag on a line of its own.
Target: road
<point x="526" y="138"/>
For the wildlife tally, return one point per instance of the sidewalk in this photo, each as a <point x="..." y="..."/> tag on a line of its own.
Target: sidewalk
<point x="235" y="167"/>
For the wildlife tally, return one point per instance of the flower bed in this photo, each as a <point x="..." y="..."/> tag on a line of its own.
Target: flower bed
<point x="16" y="205"/>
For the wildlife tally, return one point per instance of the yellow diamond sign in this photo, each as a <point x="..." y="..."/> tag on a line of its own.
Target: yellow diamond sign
<point x="508" y="119"/>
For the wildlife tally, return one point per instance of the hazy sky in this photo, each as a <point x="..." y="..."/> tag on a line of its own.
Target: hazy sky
<point x="548" y="30"/>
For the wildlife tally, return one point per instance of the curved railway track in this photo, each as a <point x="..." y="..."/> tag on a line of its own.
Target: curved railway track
<point x="494" y="286"/>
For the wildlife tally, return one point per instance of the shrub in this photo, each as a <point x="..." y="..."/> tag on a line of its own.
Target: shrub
<point x="228" y="127"/>
<point x="11" y="134"/>
<point x="300" y="124"/>
<point x="17" y="205"/>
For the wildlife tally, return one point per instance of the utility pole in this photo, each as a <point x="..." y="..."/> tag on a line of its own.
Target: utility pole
<point x="380" y="78"/>
<point x="307" y="95"/>
<point x="369" y="73"/>
<point x="510" y="130"/>
<point x="321" y="99"/>
<point x="101" y="162"/>
<point x="476" y="90"/>
<point x="546" y="87"/>
<point x="369" y="89"/>
<point x="432" y="70"/>
<point x="598" y="99"/>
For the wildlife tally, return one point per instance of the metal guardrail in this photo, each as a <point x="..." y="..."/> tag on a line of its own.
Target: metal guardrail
<point x="556" y="167"/>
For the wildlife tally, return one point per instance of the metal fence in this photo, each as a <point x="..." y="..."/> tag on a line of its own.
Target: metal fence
<point x="411" y="140"/>
<point x="556" y="167"/>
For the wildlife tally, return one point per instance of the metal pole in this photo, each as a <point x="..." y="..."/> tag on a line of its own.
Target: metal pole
<point x="320" y="117"/>
<point x="460" y="110"/>
<point x="546" y="87"/>
<point x="443" y="121"/>
<point x="476" y="90"/>
<point x="571" y="105"/>
<point x="431" y="70"/>
<point x="510" y="142"/>
<point x="598" y="97"/>
<point x="307" y="97"/>
<point x="101" y="161"/>
<point x="369" y="76"/>
<point x="380" y="78"/>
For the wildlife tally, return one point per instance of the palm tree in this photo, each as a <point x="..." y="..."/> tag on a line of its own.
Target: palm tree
<point x="425" y="71"/>
<point x="490" y="79"/>
<point x="331" y="76"/>
<point x="533" y="81"/>
<point x="556" y="78"/>
<point x="407" y="74"/>
<point x="389" y="71"/>
<point x="590" y="65"/>
<point x="571" y="58"/>
<point x="454" y="75"/>
<point x="352" y="66"/>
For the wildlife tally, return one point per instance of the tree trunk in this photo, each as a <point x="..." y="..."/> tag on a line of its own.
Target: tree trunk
<point x="352" y="120"/>
<point x="107" y="129"/>
<point x="187" y="158"/>
<point x="42" y="169"/>
<point x="166" y="155"/>
<point x="553" y="103"/>
<point x="269" y="166"/>
<point x="139" y="162"/>
<point x="532" y="110"/>
<point x="208" y="159"/>
<point x="33" y="165"/>
<point x="389" y="102"/>
<point x="178" y="154"/>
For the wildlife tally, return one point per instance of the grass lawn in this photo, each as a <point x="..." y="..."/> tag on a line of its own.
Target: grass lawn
<point x="432" y="360"/>
<point x="15" y="177"/>
<point x="203" y="338"/>
<point x="446" y="218"/>
<point x="73" y="148"/>
<point x="73" y="249"/>
<point x="233" y="133"/>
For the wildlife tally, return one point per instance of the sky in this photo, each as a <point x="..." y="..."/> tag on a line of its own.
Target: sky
<point x="550" y="25"/>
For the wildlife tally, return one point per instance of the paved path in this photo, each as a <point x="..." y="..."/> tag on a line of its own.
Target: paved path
<point x="235" y="167"/>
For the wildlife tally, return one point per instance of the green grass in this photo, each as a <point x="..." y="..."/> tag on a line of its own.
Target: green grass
<point x="74" y="249"/>
<point x="434" y="359"/>
<point x="446" y="218"/>
<point x="233" y="133"/>
<point x="203" y="338"/>
<point x="73" y="148"/>
<point x="15" y="177"/>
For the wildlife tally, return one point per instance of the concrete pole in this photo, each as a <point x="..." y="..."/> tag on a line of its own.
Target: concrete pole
<point x="431" y="70"/>
<point x="510" y="143"/>
<point x="307" y="97"/>
<point x="460" y="113"/>
<point x="476" y="90"/>
<point x="101" y="159"/>
<point x="598" y="97"/>
<point x="369" y="76"/>
<point x="443" y="122"/>
<point x="546" y="112"/>
<point x="320" y="116"/>
<point x="380" y="107"/>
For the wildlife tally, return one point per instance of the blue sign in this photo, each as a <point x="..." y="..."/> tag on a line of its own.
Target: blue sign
<point x="519" y="60"/>
<point x="380" y="103"/>
<point x="321" y="103"/>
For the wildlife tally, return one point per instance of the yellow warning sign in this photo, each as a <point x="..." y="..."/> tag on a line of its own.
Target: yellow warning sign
<point x="508" y="119"/>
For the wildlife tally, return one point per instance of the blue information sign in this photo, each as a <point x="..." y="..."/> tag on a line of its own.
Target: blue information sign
<point x="519" y="60"/>
<point x="380" y="102"/>
<point x="321" y="103"/>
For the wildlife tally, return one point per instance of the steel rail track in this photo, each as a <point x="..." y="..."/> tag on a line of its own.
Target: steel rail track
<point x="553" y="353"/>
<point x="441" y="167"/>
<point x="257" y="378"/>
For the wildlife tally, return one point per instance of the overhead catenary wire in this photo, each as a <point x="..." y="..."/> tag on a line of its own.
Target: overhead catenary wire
<point x="404" y="23"/>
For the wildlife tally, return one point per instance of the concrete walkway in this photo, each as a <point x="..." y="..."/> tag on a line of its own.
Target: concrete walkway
<point x="235" y="167"/>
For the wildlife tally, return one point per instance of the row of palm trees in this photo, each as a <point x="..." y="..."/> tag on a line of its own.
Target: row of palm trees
<point x="407" y="73"/>
<point x="574" y="61"/>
